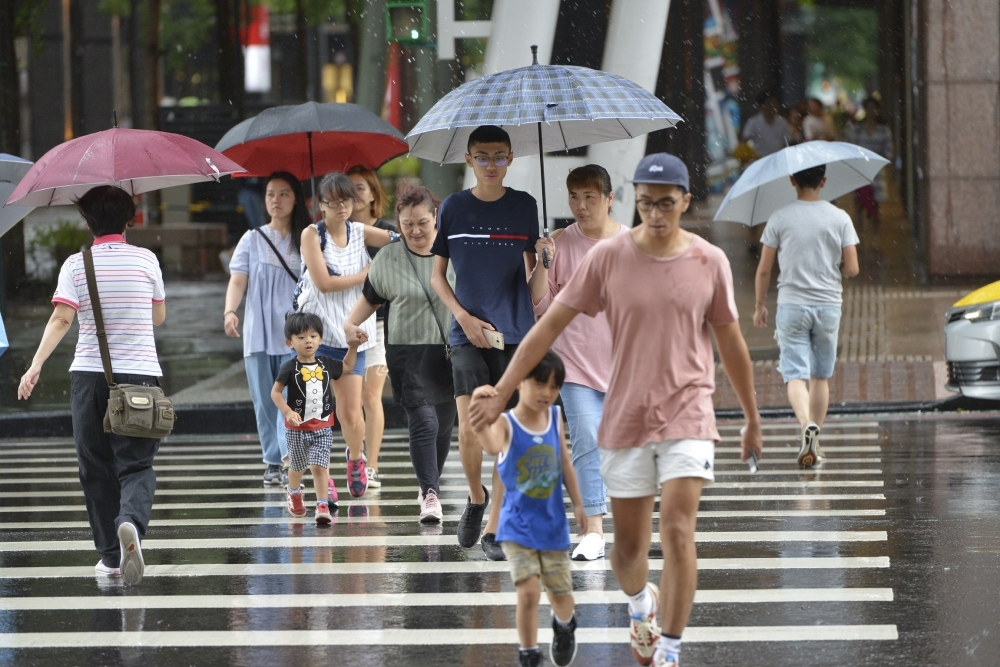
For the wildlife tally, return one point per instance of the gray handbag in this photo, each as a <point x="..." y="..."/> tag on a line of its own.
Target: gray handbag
<point x="133" y="409"/>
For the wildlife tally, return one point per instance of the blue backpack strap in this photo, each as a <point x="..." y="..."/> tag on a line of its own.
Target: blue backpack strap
<point x="321" y="228"/>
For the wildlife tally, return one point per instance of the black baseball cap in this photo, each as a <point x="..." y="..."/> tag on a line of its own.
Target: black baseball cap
<point x="662" y="169"/>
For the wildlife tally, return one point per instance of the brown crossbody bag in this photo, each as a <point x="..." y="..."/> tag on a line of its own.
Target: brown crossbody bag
<point x="133" y="409"/>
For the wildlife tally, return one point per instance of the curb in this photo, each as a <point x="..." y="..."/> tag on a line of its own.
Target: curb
<point x="217" y="419"/>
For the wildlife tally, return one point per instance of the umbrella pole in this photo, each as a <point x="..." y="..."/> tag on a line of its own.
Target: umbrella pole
<point x="312" y="177"/>
<point x="545" y="208"/>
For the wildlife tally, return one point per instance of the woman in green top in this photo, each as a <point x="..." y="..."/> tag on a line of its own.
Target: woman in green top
<point x="419" y="368"/>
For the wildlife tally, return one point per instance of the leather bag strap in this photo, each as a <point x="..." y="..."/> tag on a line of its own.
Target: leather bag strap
<point x="95" y="304"/>
<point x="278" y="255"/>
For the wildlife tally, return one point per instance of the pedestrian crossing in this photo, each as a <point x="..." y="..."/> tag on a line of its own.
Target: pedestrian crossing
<point x="786" y="558"/>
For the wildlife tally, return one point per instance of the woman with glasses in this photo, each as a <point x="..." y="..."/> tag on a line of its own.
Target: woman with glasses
<point x="368" y="208"/>
<point x="585" y="345"/>
<point x="264" y="267"/>
<point x="335" y="264"/>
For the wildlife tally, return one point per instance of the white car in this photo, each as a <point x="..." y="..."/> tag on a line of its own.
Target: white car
<point x="972" y="343"/>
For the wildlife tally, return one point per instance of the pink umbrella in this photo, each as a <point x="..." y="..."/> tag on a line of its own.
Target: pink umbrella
<point x="137" y="161"/>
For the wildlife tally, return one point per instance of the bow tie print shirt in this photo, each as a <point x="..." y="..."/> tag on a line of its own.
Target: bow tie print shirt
<point x="309" y="391"/>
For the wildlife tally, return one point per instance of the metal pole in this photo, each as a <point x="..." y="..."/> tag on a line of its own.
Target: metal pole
<point x="312" y="176"/>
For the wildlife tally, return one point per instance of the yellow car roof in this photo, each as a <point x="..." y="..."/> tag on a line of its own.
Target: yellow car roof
<point x="984" y="294"/>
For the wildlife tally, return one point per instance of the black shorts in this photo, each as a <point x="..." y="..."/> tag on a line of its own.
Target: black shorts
<point x="475" y="366"/>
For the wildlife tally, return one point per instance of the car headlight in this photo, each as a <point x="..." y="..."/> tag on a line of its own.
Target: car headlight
<point x="982" y="313"/>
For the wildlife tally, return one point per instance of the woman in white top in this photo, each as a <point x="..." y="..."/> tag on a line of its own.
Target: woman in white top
<point x="116" y="471"/>
<point x="335" y="264"/>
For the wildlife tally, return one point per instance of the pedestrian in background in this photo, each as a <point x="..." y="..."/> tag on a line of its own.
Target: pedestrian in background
<point x="308" y="412"/>
<point x="116" y="471"/>
<point x="534" y="534"/>
<point x="489" y="234"/>
<point x="368" y="209"/>
<point x="335" y="263"/>
<point x="815" y="244"/>
<point x="766" y="130"/>
<point x="872" y="133"/>
<point x="585" y="345"/>
<point x="416" y="341"/>
<point x="264" y="267"/>
<point x="796" y="117"/>
<point x="818" y="125"/>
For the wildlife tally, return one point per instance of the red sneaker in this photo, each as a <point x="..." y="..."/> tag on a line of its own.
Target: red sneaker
<point x="323" y="517"/>
<point x="331" y="490"/>
<point x="295" y="505"/>
<point x="357" y="475"/>
<point x="644" y="633"/>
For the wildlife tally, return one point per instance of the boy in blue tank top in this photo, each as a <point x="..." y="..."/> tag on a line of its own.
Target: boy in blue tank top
<point x="533" y="464"/>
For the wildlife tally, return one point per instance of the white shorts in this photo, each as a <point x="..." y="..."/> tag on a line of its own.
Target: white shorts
<point x="375" y="356"/>
<point x="638" y="472"/>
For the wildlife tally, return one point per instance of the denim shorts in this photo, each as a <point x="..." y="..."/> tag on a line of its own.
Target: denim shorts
<point x="338" y="354"/>
<point x="807" y="338"/>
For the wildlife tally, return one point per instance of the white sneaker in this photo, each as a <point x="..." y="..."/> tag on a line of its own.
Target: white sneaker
<point x="132" y="565"/>
<point x="106" y="571"/>
<point x="374" y="479"/>
<point x="807" y="455"/>
<point x="591" y="547"/>
<point x="430" y="507"/>
<point x="663" y="659"/>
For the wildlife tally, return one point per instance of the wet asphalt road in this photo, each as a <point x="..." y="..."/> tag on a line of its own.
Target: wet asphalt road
<point x="887" y="555"/>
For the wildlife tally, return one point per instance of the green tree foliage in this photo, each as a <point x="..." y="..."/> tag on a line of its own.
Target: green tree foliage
<point x="845" y="42"/>
<point x="186" y="26"/>
<point x="316" y="11"/>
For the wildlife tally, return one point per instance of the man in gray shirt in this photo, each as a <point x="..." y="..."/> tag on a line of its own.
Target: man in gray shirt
<point x="815" y="244"/>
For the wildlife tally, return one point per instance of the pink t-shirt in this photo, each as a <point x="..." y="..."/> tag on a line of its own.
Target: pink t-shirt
<point x="585" y="345"/>
<point x="659" y="312"/>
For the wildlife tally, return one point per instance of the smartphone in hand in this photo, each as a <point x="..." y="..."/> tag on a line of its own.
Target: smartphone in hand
<point x="752" y="463"/>
<point x="494" y="338"/>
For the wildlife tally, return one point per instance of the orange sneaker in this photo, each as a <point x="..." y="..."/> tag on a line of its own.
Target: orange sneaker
<point x="644" y="633"/>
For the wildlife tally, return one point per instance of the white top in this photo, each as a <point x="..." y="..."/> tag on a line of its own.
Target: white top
<point x="767" y="137"/>
<point x="810" y="237"/>
<point x="334" y="307"/>
<point x="129" y="282"/>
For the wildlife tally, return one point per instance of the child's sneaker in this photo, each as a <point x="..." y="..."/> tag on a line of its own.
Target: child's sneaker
<point x="529" y="658"/>
<point x="357" y="475"/>
<point x="331" y="490"/>
<point x="562" y="651"/>
<point x="295" y="505"/>
<point x="644" y="633"/>
<point x="430" y="507"/>
<point x="323" y="517"/>
<point x="664" y="659"/>
<point x="374" y="479"/>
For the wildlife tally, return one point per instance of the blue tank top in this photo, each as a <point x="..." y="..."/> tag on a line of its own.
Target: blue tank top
<point x="533" y="514"/>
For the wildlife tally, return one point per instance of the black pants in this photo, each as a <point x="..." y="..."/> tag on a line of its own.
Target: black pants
<point x="430" y="439"/>
<point x="116" y="471"/>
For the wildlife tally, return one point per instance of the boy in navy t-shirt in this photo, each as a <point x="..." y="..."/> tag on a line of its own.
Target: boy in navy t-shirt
<point x="533" y="463"/>
<point x="490" y="235"/>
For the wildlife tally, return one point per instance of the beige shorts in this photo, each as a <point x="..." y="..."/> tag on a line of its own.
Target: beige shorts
<point x="638" y="472"/>
<point x="375" y="356"/>
<point x="552" y="567"/>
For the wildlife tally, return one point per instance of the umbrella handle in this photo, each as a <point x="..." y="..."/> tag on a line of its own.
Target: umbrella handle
<point x="545" y="257"/>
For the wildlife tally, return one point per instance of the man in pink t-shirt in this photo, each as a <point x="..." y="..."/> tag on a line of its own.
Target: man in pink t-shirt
<point x="662" y="290"/>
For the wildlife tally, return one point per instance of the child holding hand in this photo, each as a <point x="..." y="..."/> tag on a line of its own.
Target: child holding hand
<point x="534" y="463"/>
<point x="309" y="410"/>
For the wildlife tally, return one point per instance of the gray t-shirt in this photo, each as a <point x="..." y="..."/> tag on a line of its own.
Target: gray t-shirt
<point x="809" y="237"/>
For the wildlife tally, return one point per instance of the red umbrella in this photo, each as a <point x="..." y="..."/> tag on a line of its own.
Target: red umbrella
<point x="137" y="161"/>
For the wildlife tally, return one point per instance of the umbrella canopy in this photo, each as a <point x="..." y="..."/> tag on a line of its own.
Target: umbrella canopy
<point x="764" y="186"/>
<point x="312" y="138"/>
<point x="137" y="161"/>
<point x="12" y="170"/>
<point x="575" y="106"/>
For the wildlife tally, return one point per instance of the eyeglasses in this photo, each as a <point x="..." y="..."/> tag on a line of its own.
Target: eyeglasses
<point x="666" y="205"/>
<point x="338" y="203"/>
<point x="498" y="161"/>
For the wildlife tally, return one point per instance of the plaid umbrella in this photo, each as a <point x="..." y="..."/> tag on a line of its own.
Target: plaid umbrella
<point x="555" y="107"/>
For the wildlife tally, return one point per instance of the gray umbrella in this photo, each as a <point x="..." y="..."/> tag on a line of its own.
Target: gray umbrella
<point x="12" y="170"/>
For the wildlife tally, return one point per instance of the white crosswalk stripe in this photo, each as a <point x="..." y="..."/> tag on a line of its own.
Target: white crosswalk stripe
<point x="220" y="540"/>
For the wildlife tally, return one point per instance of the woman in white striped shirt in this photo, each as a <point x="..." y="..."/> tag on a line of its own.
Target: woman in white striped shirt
<point x="335" y="265"/>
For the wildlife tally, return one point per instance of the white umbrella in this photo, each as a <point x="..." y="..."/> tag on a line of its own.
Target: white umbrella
<point x="764" y="186"/>
<point x="12" y="170"/>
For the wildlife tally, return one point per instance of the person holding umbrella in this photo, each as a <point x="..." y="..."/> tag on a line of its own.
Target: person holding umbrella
<point x="116" y="471"/>
<point x="489" y="234"/>
<point x="261" y="268"/>
<point x="368" y="208"/>
<point x="416" y="342"/>
<point x="335" y="264"/>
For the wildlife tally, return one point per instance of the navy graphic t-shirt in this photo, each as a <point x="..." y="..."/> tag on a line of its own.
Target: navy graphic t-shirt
<point x="486" y="242"/>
